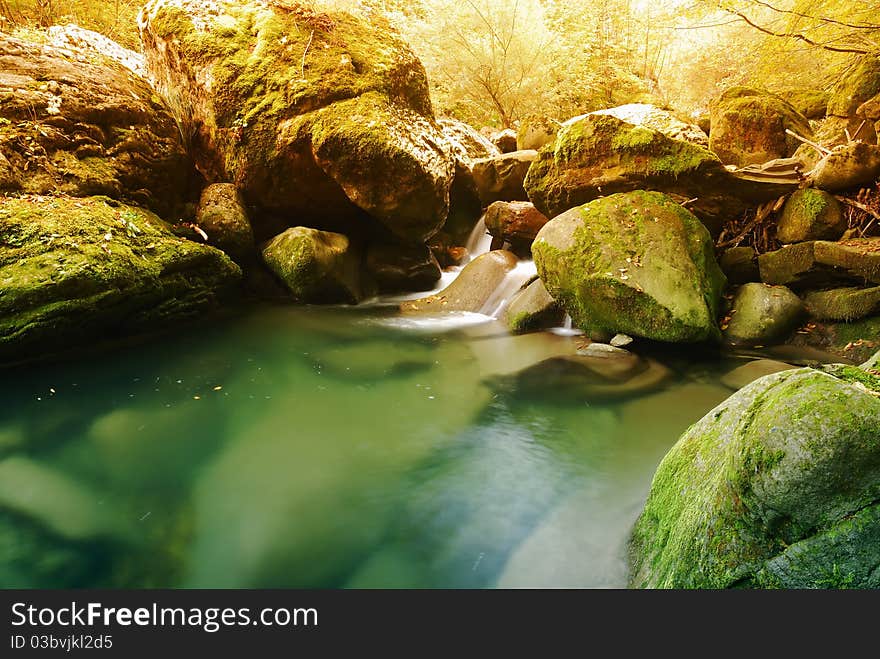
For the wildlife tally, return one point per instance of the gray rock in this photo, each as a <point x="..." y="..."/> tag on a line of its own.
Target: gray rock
<point x="763" y="315"/>
<point x="844" y="304"/>
<point x="620" y="340"/>
<point x="501" y="178"/>
<point x="533" y="308"/>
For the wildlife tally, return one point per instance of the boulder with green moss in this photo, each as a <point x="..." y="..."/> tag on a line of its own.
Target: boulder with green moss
<point x="779" y="486"/>
<point x="316" y="266"/>
<point x="847" y="166"/>
<point x="600" y="154"/>
<point x="650" y="116"/>
<point x="846" y="304"/>
<point x="636" y="263"/>
<point x="763" y="315"/>
<point x="811" y="103"/>
<point x="858" y="84"/>
<point x="533" y="308"/>
<point x="75" y="271"/>
<point x="85" y="125"/>
<point x="811" y="214"/>
<point x="310" y="114"/>
<point x="222" y="215"/>
<point x="749" y="127"/>
<point x="822" y="264"/>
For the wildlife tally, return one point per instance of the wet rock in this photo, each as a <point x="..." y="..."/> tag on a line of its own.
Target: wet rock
<point x="740" y="265"/>
<point x="501" y="178"/>
<point x="758" y="493"/>
<point x="316" y="266"/>
<point x="843" y="304"/>
<point x="636" y="263"/>
<point x="471" y="290"/>
<point x="811" y="214"/>
<point x="505" y="140"/>
<point x="536" y="131"/>
<point x="763" y="315"/>
<point x="848" y="166"/>
<point x="309" y="114"/>
<point x="75" y="270"/>
<point x="397" y="268"/>
<point x="222" y="215"/>
<point x="744" y="375"/>
<point x="515" y="222"/>
<point x="84" y="125"/>
<point x="620" y="340"/>
<point x="823" y="264"/>
<point x="748" y="127"/>
<point x="533" y="308"/>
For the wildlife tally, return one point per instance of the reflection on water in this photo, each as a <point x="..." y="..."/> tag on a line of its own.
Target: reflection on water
<point x="299" y="447"/>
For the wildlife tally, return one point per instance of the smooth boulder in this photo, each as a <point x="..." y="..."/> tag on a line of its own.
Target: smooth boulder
<point x="777" y="474"/>
<point x="533" y="308"/>
<point x="636" y="263"/>
<point x="516" y="223"/>
<point x="316" y="266"/>
<point x="810" y="214"/>
<point x="848" y="166"/>
<point x="222" y="215"/>
<point x="501" y="178"/>
<point x="763" y="315"/>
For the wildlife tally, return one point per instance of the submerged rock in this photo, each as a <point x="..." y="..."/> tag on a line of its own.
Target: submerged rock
<point x="310" y="114"/>
<point x="222" y="215"/>
<point x="533" y="308"/>
<point x="636" y="263"/>
<point x="811" y="214"/>
<point x="748" y="127"/>
<point x="87" y="126"/>
<point x="846" y="304"/>
<point x="763" y="315"/>
<point x="79" y="270"/>
<point x="777" y="474"/>
<point x="472" y="290"/>
<point x="501" y="178"/>
<point x="316" y="266"/>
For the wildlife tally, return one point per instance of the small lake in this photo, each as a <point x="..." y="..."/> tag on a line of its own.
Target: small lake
<point x="313" y="447"/>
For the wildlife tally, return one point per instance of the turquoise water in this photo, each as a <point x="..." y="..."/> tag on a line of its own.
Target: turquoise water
<point x="303" y="447"/>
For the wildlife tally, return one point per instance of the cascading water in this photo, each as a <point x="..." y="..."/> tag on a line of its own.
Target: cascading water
<point x="501" y="296"/>
<point x="479" y="241"/>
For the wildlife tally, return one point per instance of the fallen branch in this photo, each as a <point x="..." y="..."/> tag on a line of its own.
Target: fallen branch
<point x="821" y="149"/>
<point x="302" y="66"/>
<point x="860" y="206"/>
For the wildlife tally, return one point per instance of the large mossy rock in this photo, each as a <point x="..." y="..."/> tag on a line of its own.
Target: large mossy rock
<point x="779" y="486"/>
<point x="222" y="215"/>
<point x="748" y="127"/>
<point x="858" y="84"/>
<point x="843" y="304"/>
<point x="84" y="270"/>
<point x="85" y="125"/>
<point x="847" y="166"/>
<point x="316" y="266"/>
<point x="822" y="264"/>
<point x="600" y="154"/>
<point x="811" y="214"/>
<point x="636" y="263"/>
<point x="650" y="116"/>
<point x="309" y="114"/>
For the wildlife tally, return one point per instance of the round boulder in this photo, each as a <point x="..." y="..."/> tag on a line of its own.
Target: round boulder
<point x="763" y="315"/>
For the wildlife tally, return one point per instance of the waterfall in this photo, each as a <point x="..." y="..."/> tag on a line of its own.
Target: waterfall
<point x="500" y="297"/>
<point x="567" y="328"/>
<point x="479" y="241"/>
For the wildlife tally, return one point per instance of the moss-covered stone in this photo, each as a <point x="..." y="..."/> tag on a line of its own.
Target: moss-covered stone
<point x="600" y="154"/>
<point x="740" y="265"/>
<point x="792" y="458"/>
<point x="316" y="266"/>
<point x="636" y="263"/>
<point x="223" y="217"/>
<point x="811" y="103"/>
<point x="858" y="84"/>
<point x="846" y="304"/>
<point x="86" y="127"/>
<point x="847" y="166"/>
<point x="77" y="270"/>
<point x="763" y="315"/>
<point x="822" y="264"/>
<point x="811" y="214"/>
<point x="310" y="114"/>
<point x="748" y="127"/>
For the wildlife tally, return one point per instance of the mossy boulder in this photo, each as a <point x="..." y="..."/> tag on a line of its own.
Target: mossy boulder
<point x="533" y="308"/>
<point x="843" y="304"/>
<point x="740" y="265"/>
<point x="81" y="126"/>
<point x="763" y="315"/>
<point x="811" y="214"/>
<point x="222" y="215"/>
<point x="748" y="127"/>
<point x="781" y="472"/>
<point x="636" y="263"/>
<point x="822" y="264"/>
<point x="310" y="114"/>
<point x="536" y="131"/>
<point x="82" y="270"/>
<point x="859" y="83"/>
<point x="811" y="103"/>
<point x="600" y="154"/>
<point x="847" y="166"/>
<point x="650" y="116"/>
<point x="316" y="266"/>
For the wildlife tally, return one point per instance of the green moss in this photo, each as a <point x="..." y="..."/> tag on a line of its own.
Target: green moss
<point x="860" y="83"/>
